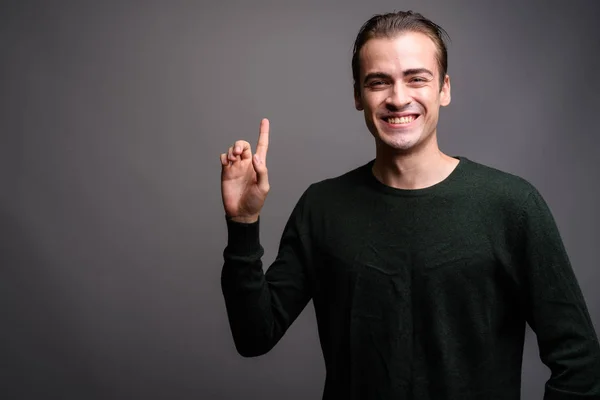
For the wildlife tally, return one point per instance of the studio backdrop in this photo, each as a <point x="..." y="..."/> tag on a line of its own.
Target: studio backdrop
<point x="112" y="118"/>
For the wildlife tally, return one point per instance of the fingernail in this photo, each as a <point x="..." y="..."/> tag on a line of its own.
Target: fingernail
<point x="237" y="149"/>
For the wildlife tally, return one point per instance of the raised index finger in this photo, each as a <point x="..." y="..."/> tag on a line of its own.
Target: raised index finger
<point x="263" y="140"/>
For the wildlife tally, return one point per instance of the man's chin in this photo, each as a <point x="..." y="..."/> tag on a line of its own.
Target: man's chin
<point x="400" y="136"/>
<point x="396" y="145"/>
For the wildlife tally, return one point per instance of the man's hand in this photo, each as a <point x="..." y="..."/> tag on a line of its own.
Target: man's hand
<point x="244" y="179"/>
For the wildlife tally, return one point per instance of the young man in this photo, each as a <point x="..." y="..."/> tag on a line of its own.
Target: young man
<point x="423" y="268"/>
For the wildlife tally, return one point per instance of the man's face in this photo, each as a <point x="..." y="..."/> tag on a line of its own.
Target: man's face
<point x="399" y="90"/>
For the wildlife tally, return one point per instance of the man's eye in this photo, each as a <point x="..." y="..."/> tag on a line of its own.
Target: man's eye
<point x="376" y="83"/>
<point x="418" y="80"/>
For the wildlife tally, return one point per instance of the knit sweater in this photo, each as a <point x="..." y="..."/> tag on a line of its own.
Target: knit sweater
<point x="419" y="294"/>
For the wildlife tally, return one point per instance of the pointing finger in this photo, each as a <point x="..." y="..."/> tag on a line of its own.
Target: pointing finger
<point x="263" y="140"/>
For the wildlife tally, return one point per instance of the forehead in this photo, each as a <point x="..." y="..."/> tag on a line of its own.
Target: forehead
<point x="405" y="51"/>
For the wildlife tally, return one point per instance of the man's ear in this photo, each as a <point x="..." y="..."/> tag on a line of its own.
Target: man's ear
<point x="445" y="96"/>
<point x="358" y="100"/>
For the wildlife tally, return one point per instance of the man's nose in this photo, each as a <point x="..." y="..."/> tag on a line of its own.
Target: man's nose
<point x="398" y="97"/>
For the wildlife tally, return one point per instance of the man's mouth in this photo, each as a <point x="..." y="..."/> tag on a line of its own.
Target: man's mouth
<point x="404" y="120"/>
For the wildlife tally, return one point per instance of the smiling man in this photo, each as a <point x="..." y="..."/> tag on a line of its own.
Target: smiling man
<point x="423" y="268"/>
<point x="400" y="85"/>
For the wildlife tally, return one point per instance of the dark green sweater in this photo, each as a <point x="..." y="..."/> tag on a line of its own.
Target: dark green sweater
<point x="419" y="294"/>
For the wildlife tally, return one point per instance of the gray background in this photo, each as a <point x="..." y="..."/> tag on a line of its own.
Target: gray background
<point x="112" y="118"/>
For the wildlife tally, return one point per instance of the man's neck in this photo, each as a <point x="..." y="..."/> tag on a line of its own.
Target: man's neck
<point x="417" y="169"/>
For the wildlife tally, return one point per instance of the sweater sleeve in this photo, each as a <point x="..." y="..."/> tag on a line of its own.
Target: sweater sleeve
<point x="557" y="312"/>
<point x="262" y="305"/>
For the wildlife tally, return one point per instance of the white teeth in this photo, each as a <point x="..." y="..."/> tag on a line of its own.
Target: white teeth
<point x="402" y="120"/>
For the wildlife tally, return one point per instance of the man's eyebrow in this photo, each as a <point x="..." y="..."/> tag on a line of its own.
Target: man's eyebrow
<point x="376" y="75"/>
<point x="407" y="72"/>
<point x="416" y="71"/>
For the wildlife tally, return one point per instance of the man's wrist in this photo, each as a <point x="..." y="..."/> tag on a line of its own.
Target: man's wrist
<point x="243" y="219"/>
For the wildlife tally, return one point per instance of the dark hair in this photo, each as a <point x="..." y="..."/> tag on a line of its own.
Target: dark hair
<point x="392" y="24"/>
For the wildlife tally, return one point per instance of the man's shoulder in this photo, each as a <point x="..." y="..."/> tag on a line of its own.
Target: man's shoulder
<point x="494" y="182"/>
<point x="349" y="180"/>
<point x="333" y="193"/>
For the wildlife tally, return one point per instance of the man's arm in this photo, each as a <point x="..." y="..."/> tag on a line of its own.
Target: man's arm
<point x="261" y="306"/>
<point x="568" y="343"/>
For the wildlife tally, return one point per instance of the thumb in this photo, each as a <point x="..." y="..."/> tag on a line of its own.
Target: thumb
<point x="262" y="176"/>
